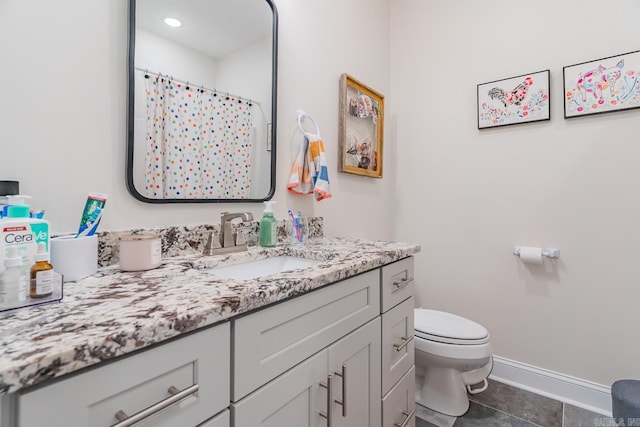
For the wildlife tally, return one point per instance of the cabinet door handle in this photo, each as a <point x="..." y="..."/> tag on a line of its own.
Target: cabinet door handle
<point x="405" y="342"/>
<point x="176" y="396"/>
<point x="343" y="402"/>
<point x="328" y="386"/>
<point x="401" y="284"/>
<point x="408" y="416"/>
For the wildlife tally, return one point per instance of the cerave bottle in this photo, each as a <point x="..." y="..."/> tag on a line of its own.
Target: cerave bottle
<point x="22" y="232"/>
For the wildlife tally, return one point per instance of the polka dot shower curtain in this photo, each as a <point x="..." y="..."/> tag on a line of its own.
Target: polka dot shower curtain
<point x="198" y="142"/>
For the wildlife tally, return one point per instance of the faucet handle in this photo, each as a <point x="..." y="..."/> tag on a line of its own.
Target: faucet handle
<point x="213" y="242"/>
<point x="240" y="239"/>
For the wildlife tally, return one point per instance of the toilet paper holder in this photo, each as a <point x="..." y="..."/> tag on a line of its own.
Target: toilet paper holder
<point x="547" y="252"/>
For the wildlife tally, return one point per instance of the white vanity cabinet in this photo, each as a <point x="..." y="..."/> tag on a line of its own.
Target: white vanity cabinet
<point x="317" y="355"/>
<point x="339" y="356"/>
<point x="344" y="352"/>
<point x="182" y="383"/>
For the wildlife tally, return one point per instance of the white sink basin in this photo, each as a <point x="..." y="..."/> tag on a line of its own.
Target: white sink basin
<point x="262" y="267"/>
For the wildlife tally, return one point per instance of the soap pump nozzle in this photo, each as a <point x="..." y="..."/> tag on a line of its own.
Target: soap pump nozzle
<point x="17" y="199"/>
<point x="17" y="206"/>
<point x="268" y="206"/>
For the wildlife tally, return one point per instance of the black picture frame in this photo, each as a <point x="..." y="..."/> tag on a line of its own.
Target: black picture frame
<point x="604" y="85"/>
<point x="514" y="100"/>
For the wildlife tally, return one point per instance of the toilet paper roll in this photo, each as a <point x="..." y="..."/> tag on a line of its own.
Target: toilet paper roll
<point x="531" y="255"/>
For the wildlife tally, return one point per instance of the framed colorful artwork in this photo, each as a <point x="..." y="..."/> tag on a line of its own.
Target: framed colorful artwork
<point x="361" y="128"/>
<point x="602" y="86"/>
<point x="514" y="100"/>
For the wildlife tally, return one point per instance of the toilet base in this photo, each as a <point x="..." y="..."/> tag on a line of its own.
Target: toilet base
<point x="442" y="390"/>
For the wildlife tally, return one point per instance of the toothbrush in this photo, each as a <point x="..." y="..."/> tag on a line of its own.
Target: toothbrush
<point x="298" y="219"/>
<point x="296" y="226"/>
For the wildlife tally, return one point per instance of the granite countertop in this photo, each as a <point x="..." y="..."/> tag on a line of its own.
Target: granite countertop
<point x="114" y="313"/>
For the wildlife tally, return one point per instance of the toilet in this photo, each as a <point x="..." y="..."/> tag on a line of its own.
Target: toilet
<point x="453" y="357"/>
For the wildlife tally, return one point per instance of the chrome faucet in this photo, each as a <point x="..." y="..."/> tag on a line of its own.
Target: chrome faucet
<point x="229" y="240"/>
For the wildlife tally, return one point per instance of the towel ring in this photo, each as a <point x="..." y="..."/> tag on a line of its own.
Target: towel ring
<point x="303" y="115"/>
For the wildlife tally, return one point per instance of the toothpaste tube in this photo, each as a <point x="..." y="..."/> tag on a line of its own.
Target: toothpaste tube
<point x="92" y="214"/>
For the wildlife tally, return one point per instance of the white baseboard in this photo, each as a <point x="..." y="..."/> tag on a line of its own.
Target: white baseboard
<point x="583" y="394"/>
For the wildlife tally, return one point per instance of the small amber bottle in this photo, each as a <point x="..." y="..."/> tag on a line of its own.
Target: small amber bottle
<point x="41" y="284"/>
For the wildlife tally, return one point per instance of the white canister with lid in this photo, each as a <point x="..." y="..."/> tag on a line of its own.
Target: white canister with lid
<point x="140" y="252"/>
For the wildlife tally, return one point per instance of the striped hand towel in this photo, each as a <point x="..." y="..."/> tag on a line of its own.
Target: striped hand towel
<point x="309" y="173"/>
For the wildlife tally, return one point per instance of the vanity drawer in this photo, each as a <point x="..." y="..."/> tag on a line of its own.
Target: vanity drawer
<point x="398" y="407"/>
<point x="271" y="341"/>
<point x="397" y="283"/>
<point x="196" y="364"/>
<point x="398" y="355"/>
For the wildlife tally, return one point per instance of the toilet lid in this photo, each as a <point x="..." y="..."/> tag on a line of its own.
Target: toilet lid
<point x="448" y="328"/>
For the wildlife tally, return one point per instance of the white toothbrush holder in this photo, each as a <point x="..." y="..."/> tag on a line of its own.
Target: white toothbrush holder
<point x="74" y="258"/>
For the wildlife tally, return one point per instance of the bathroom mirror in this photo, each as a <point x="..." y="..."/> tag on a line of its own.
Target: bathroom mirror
<point x="202" y="100"/>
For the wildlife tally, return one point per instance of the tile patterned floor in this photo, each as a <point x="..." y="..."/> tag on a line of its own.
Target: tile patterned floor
<point x="502" y="405"/>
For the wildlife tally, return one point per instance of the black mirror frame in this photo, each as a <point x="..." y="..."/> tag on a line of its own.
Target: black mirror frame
<point x="130" y="117"/>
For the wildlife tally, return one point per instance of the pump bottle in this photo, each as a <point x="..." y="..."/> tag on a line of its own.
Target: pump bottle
<point x="13" y="280"/>
<point x="18" y="229"/>
<point x="268" y="227"/>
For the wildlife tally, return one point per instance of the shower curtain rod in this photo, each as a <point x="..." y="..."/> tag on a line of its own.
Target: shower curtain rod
<point x="249" y="100"/>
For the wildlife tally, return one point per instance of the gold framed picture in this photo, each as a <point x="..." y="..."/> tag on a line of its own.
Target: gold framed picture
<point x="361" y="128"/>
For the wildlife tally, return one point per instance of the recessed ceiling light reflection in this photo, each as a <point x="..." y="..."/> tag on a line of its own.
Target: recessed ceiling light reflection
<point x="172" y="22"/>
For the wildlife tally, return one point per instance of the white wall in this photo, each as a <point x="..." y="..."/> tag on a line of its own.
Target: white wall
<point x="467" y="196"/>
<point x="160" y="55"/>
<point x="63" y="110"/>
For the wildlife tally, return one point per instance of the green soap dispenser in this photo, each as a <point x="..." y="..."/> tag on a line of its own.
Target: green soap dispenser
<point x="268" y="227"/>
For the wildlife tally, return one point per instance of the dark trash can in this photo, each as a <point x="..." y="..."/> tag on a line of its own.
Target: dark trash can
<point x="625" y="396"/>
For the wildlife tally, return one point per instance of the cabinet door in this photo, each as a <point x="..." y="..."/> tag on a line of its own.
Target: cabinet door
<point x="354" y="362"/>
<point x="220" y="420"/>
<point x="397" y="343"/>
<point x="295" y="398"/>
<point x="8" y="410"/>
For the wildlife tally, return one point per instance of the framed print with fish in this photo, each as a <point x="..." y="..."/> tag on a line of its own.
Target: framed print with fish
<point x="515" y="100"/>
<point x="361" y="128"/>
<point x="602" y="86"/>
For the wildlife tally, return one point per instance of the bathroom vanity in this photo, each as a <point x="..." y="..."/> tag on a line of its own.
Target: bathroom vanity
<point x="325" y="345"/>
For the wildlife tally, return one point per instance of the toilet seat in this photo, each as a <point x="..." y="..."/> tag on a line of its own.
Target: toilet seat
<point x="447" y="328"/>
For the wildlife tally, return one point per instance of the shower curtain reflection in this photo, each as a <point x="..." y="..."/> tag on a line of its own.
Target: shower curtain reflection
<point x="198" y="142"/>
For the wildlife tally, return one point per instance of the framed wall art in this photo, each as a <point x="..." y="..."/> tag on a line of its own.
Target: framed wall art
<point x="361" y="128"/>
<point x="602" y="86"/>
<point x="514" y="100"/>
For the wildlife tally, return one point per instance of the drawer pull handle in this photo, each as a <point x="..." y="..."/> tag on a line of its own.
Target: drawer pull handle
<point x="328" y="386"/>
<point x="176" y="396"/>
<point x="405" y="342"/>
<point x="408" y="416"/>
<point x="401" y="284"/>
<point x="343" y="402"/>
